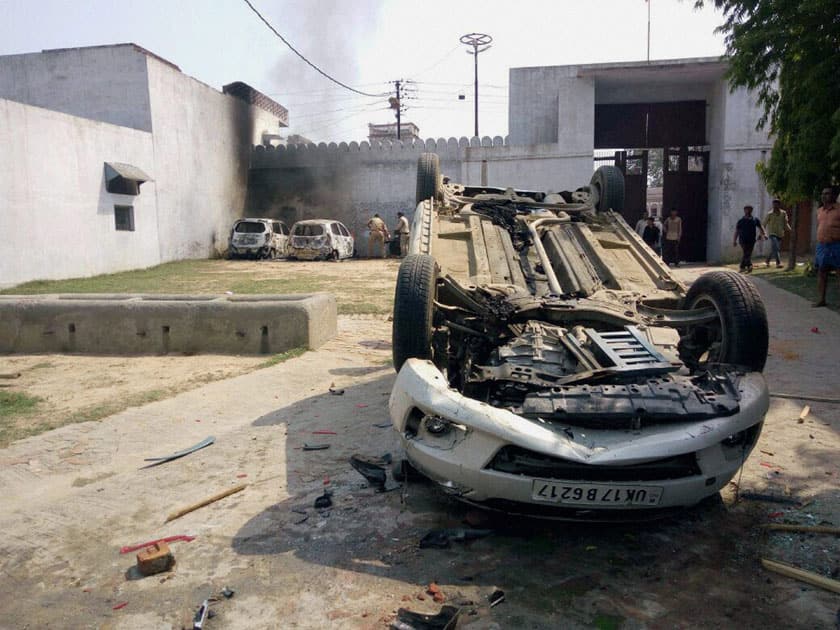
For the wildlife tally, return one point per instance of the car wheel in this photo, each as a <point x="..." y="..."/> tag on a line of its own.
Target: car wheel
<point x="608" y="185"/>
<point x="428" y="177"/>
<point x="411" y="335"/>
<point x="738" y="336"/>
<point x="272" y="254"/>
<point x="335" y="257"/>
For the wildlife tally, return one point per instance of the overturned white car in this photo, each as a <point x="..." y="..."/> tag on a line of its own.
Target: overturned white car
<point x="549" y="363"/>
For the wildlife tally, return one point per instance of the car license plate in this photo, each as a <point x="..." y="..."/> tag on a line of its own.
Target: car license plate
<point x="594" y="494"/>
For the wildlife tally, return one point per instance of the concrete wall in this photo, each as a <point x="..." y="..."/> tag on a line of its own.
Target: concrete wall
<point x="349" y="182"/>
<point x="104" y="83"/>
<point x="202" y="143"/>
<point x="194" y="141"/>
<point x="56" y="218"/>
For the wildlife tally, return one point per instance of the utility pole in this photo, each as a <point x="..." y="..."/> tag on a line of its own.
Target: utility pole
<point x="399" y="110"/>
<point x="648" y="39"/>
<point x="479" y="42"/>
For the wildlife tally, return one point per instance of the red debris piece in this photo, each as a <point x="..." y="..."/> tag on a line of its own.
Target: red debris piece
<point x="815" y="330"/>
<point x="151" y="543"/>
<point x="120" y="606"/>
<point x="324" y="432"/>
<point x="361" y="405"/>
<point x="241" y="475"/>
<point x="775" y="514"/>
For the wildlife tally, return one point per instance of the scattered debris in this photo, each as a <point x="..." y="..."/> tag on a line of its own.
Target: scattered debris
<point x="156" y="558"/>
<point x="323" y="502"/>
<point x="409" y="620"/>
<point x="120" y="606"/>
<point x="360" y="405"/>
<point x="442" y="538"/>
<point x="805" y="529"/>
<point x="227" y="593"/>
<point x="315" y="447"/>
<point x="775" y="514"/>
<point x="822" y="399"/>
<point x="496" y="598"/>
<point x="374" y="469"/>
<point x="216" y="497"/>
<point x="767" y="453"/>
<point x="201" y="615"/>
<point x="324" y="432"/>
<point x="157" y="461"/>
<point x="382" y="425"/>
<point x="816" y="330"/>
<point x="151" y="543"/>
<point x="808" y="577"/>
<point x="436" y="593"/>
<point x="335" y="392"/>
<point x="241" y="475"/>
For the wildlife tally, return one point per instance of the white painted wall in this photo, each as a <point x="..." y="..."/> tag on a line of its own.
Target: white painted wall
<point x="202" y="142"/>
<point x="105" y="83"/>
<point x="56" y="218"/>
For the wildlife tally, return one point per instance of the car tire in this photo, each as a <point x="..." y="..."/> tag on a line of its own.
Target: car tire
<point x="335" y="257"/>
<point x="608" y="182"/>
<point x="411" y="335"/>
<point x="740" y="335"/>
<point x="428" y="177"/>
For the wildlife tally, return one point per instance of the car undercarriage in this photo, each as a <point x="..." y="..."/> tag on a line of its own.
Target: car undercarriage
<point x="548" y="309"/>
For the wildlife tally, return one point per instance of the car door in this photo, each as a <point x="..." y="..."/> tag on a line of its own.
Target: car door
<point x="281" y="238"/>
<point x="346" y="241"/>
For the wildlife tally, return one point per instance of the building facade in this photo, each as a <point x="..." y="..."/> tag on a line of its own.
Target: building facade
<point x="68" y="116"/>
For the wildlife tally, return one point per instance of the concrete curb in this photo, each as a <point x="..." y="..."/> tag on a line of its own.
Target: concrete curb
<point x="126" y="324"/>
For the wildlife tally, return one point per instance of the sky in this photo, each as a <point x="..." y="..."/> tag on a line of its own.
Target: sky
<point x="368" y="44"/>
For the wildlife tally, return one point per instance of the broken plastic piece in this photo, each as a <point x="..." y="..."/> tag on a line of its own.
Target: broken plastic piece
<point x="372" y="469"/>
<point x="441" y="538"/>
<point x="335" y="392"/>
<point x="496" y="598"/>
<point x="227" y="593"/>
<point x="323" y="502"/>
<point x="120" y="606"/>
<point x="409" y="620"/>
<point x="315" y="447"/>
<point x="157" y="461"/>
<point x="201" y="615"/>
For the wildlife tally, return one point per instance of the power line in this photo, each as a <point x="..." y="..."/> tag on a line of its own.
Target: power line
<point x="312" y="65"/>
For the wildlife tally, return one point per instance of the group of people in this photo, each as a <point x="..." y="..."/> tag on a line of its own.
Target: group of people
<point x="379" y="236"/>
<point x="663" y="238"/>
<point x="749" y="229"/>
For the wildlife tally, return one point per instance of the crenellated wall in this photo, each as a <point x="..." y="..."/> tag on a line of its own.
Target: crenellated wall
<point x="351" y="181"/>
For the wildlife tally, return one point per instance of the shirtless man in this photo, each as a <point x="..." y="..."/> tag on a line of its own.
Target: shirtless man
<point x="828" y="240"/>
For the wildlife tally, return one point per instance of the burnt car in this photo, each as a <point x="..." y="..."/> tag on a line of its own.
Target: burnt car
<point x="258" y="238"/>
<point x="550" y="364"/>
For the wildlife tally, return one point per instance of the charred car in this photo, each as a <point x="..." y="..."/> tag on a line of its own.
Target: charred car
<point x="258" y="238"/>
<point x="321" y="239"/>
<point x="549" y="363"/>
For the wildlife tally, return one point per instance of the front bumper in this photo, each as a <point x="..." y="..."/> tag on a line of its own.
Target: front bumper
<point x="460" y="459"/>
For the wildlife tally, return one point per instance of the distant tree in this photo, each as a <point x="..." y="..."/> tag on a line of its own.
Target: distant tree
<point x="654" y="175"/>
<point x="788" y="52"/>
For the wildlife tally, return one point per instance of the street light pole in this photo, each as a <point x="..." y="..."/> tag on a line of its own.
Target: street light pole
<point x="479" y="43"/>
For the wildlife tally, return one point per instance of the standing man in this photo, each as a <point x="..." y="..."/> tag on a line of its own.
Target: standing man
<point x="378" y="235"/>
<point x="402" y="230"/>
<point x="776" y="224"/>
<point x="671" y="242"/>
<point x="650" y="235"/>
<point x="642" y="222"/>
<point x="828" y="240"/>
<point x="745" y="235"/>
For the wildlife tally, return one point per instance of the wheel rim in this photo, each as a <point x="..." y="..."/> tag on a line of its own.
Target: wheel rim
<point x="708" y="339"/>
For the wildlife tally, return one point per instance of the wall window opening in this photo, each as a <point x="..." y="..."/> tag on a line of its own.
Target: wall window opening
<point x="124" y="218"/>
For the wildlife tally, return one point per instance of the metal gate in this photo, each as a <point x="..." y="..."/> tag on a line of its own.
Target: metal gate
<point x="634" y="165"/>
<point x="686" y="188"/>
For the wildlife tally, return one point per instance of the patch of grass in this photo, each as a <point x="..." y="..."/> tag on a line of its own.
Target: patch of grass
<point x="97" y="412"/>
<point x="362" y="308"/>
<point x="17" y="404"/>
<point x="796" y="282"/>
<point x="607" y="622"/>
<point x="280" y="358"/>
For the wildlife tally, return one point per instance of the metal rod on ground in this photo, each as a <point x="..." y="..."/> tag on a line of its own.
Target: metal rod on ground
<point x="805" y="529"/>
<point x="822" y="399"/>
<point x="207" y="501"/>
<point x="800" y="574"/>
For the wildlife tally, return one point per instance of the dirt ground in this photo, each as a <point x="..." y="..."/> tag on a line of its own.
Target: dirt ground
<point x="74" y="495"/>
